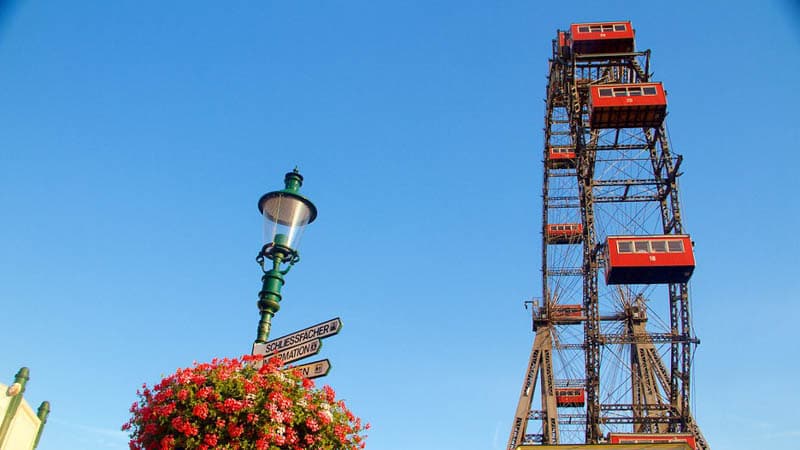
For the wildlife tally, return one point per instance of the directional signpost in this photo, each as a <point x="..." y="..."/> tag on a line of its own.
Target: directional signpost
<point x="301" y="351"/>
<point x="318" y="331"/>
<point x="315" y="369"/>
<point x="302" y="344"/>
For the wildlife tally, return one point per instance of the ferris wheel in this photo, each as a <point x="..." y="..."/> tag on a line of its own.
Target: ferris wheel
<point x="613" y="347"/>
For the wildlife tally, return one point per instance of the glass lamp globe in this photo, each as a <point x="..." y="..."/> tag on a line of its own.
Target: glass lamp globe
<point x="286" y="214"/>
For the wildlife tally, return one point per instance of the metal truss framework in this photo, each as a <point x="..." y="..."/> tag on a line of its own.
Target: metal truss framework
<point x="636" y="372"/>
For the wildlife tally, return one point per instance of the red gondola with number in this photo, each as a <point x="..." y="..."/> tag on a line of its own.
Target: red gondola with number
<point x="637" y="105"/>
<point x="564" y="233"/>
<point x="602" y="37"/>
<point x="649" y="259"/>
<point x="561" y="157"/>
<point x="570" y="396"/>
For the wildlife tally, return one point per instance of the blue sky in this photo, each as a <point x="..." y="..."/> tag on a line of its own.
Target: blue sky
<point x="138" y="136"/>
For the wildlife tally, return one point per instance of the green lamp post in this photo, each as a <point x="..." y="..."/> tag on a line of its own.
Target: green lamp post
<point x="286" y="214"/>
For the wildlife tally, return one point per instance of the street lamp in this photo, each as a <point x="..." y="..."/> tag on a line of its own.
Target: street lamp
<point x="286" y="214"/>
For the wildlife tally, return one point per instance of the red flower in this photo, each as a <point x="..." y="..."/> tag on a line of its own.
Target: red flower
<point x="231" y="405"/>
<point x="167" y="442"/>
<point x="206" y="392"/>
<point x="164" y="410"/>
<point x="312" y="424"/>
<point x="200" y="410"/>
<point x="330" y="395"/>
<point x="234" y="430"/>
<point x="184" y="426"/>
<point x="210" y="439"/>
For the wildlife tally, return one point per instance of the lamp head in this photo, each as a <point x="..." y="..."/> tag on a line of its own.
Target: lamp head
<point x="286" y="214"/>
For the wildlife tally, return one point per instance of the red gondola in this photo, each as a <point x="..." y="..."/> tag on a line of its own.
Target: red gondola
<point x="566" y="314"/>
<point x="561" y="157"/>
<point x="646" y="438"/>
<point x="649" y="259"/>
<point x="564" y="233"/>
<point x="570" y="397"/>
<point x="604" y="37"/>
<point x="638" y="105"/>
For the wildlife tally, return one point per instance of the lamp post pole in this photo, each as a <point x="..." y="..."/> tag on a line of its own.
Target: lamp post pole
<point x="286" y="213"/>
<point x="269" y="299"/>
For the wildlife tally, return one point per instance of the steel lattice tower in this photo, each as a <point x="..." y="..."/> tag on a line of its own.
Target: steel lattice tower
<point x="607" y="358"/>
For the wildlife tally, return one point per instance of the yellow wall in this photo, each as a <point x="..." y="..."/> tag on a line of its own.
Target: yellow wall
<point x="25" y="425"/>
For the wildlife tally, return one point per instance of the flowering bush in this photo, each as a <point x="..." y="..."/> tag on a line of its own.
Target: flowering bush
<point x="232" y="404"/>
